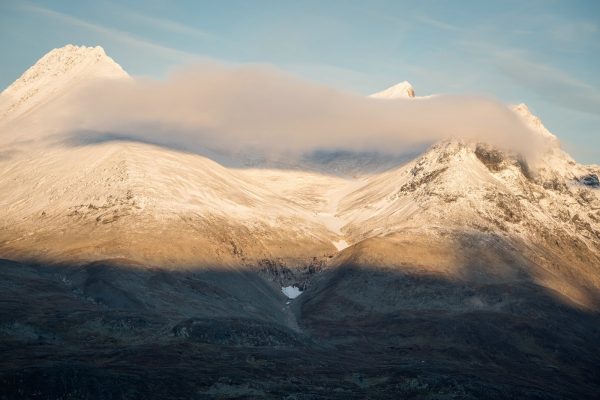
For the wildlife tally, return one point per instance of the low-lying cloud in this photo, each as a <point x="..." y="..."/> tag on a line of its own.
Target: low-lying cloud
<point x="219" y="107"/>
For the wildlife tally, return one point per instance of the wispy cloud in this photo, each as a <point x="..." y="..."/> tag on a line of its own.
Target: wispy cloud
<point x="555" y="85"/>
<point x="164" y="24"/>
<point x="407" y="22"/>
<point x="564" y="32"/>
<point x="172" y="26"/>
<point x="521" y="66"/>
<point x="400" y="24"/>
<point x="116" y="35"/>
<point x="438" y="24"/>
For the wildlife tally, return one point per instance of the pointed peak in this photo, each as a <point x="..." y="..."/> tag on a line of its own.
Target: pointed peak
<point x="68" y="62"/>
<point x="521" y="109"/>
<point x="401" y="90"/>
<point x="58" y="71"/>
<point x="531" y="120"/>
<point x="74" y="49"/>
<point x="70" y="57"/>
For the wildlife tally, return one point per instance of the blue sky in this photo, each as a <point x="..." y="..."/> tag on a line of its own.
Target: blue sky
<point x="544" y="53"/>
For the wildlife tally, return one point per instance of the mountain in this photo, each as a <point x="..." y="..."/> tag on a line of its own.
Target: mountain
<point x="54" y="75"/>
<point x="470" y="194"/>
<point x="402" y="90"/>
<point x="138" y="270"/>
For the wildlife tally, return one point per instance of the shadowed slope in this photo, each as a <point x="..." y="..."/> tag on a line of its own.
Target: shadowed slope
<point x="118" y="330"/>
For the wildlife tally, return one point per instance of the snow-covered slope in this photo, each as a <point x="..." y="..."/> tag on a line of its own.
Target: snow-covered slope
<point x="125" y="199"/>
<point x="54" y="75"/>
<point x="538" y="219"/>
<point x="146" y="203"/>
<point x="402" y="90"/>
<point x="466" y="196"/>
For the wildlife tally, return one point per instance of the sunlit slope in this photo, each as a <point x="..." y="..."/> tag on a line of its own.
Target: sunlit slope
<point x="73" y="199"/>
<point x="149" y="204"/>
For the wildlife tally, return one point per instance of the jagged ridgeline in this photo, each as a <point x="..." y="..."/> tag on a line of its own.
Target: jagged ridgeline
<point x="462" y="271"/>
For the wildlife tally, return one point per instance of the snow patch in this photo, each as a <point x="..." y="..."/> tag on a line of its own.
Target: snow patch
<point x="332" y="222"/>
<point x="340" y="245"/>
<point x="291" y="291"/>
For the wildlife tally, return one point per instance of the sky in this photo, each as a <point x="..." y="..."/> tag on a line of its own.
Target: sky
<point x="544" y="53"/>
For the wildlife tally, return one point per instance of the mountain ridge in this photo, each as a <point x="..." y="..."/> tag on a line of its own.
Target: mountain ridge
<point x="132" y="190"/>
<point x="132" y="269"/>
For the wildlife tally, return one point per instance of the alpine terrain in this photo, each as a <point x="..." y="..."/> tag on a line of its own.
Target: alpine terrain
<point x="138" y="269"/>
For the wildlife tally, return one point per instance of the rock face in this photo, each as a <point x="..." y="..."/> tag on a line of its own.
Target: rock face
<point x="591" y="180"/>
<point x="139" y="271"/>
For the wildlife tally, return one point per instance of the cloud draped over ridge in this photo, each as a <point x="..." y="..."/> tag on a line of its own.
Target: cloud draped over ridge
<point x="215" y="106"/>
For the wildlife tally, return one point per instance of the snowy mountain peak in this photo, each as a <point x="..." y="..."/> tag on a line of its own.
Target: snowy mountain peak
<point x="69" y="61"/>
<point x="532" y="121"/>
<point x="402" y="90"/>
<point x="58" y="71"/>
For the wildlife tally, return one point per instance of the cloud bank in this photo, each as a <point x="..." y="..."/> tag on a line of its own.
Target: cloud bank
<point x="220" y="107"/>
